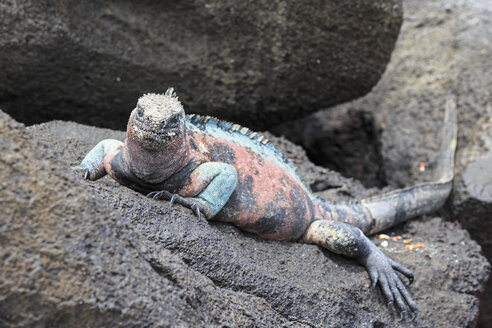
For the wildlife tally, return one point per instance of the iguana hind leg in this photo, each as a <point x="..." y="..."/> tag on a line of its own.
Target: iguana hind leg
<point x="344" y="239"/>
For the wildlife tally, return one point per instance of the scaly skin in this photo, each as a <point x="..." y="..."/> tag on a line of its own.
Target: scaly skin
<point x="228" y="173"/>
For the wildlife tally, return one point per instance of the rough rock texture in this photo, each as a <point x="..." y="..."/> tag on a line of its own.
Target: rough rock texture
<point x="101" y="252"/>
<point x="255" y="63"/>
<point x="443" y="46"/>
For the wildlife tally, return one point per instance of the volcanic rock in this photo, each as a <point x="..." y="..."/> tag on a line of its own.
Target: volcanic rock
<point x="256" y="63"/>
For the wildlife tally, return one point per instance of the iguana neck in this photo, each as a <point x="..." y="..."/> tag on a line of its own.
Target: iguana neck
<point x="155" y="166"/>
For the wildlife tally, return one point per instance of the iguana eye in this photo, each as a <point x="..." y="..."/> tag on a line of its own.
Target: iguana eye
<point x="173" y="120"/>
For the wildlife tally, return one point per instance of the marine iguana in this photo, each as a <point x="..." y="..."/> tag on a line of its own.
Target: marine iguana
<point x="229" y="173"/>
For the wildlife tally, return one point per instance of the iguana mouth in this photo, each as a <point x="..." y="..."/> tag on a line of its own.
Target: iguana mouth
<point x="168" y="130"/>
<point x="151" y="138"/>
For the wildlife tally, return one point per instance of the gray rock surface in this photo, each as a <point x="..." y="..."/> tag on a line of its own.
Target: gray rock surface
<point x="255" y="63"/>
<point x="81" y="253"/>
<point x="443" y="46"/>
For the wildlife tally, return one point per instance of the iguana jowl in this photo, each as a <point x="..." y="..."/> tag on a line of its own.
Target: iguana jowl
<point x="231" y="174"/>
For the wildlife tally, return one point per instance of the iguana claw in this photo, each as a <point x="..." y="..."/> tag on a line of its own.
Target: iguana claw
<point x="176" y="199"/>
<point x="196" y="209"/>
<point x="81" y="171"/>
<point x="173" y="199"/>
<point x="158" y="195"/>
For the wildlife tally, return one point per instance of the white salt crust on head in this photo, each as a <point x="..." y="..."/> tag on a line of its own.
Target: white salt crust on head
<point x="159" y="105"/>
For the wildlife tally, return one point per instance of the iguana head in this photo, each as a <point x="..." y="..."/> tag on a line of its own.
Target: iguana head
<point x="158" y="121"/>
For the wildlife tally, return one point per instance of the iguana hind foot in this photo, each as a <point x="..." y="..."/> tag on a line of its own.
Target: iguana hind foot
<point x="344" y="239"/>
<point x="383" y="270"/>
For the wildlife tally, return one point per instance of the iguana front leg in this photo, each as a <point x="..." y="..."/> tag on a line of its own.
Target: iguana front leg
<point x="93" y="164"/>
<point x="211" y="185"/>
<point x="344" y="239"/>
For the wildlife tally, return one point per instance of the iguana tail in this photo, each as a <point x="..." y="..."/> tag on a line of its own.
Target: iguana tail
<point x="378" y="213"/>
<point x="397" y="206"/>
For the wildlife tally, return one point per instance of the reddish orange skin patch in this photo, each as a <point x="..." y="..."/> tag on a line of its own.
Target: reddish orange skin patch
<point x="107" y="163"/>
<point x="267" y="201"/>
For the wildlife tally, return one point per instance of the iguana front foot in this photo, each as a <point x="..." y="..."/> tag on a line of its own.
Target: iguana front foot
<point x="92" y="166"/>
<point x="159" y="195"/>
<point x="80" y="171"/>
<point x="382" y="269"/>
<point x="192" y="203"/>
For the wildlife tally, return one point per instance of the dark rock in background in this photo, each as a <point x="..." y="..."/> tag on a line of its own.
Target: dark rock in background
<point x="79" y="253"/>
<point x="343" y="139"/>
<point x="256" y="63"/>
<point x="442" y="47"/>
